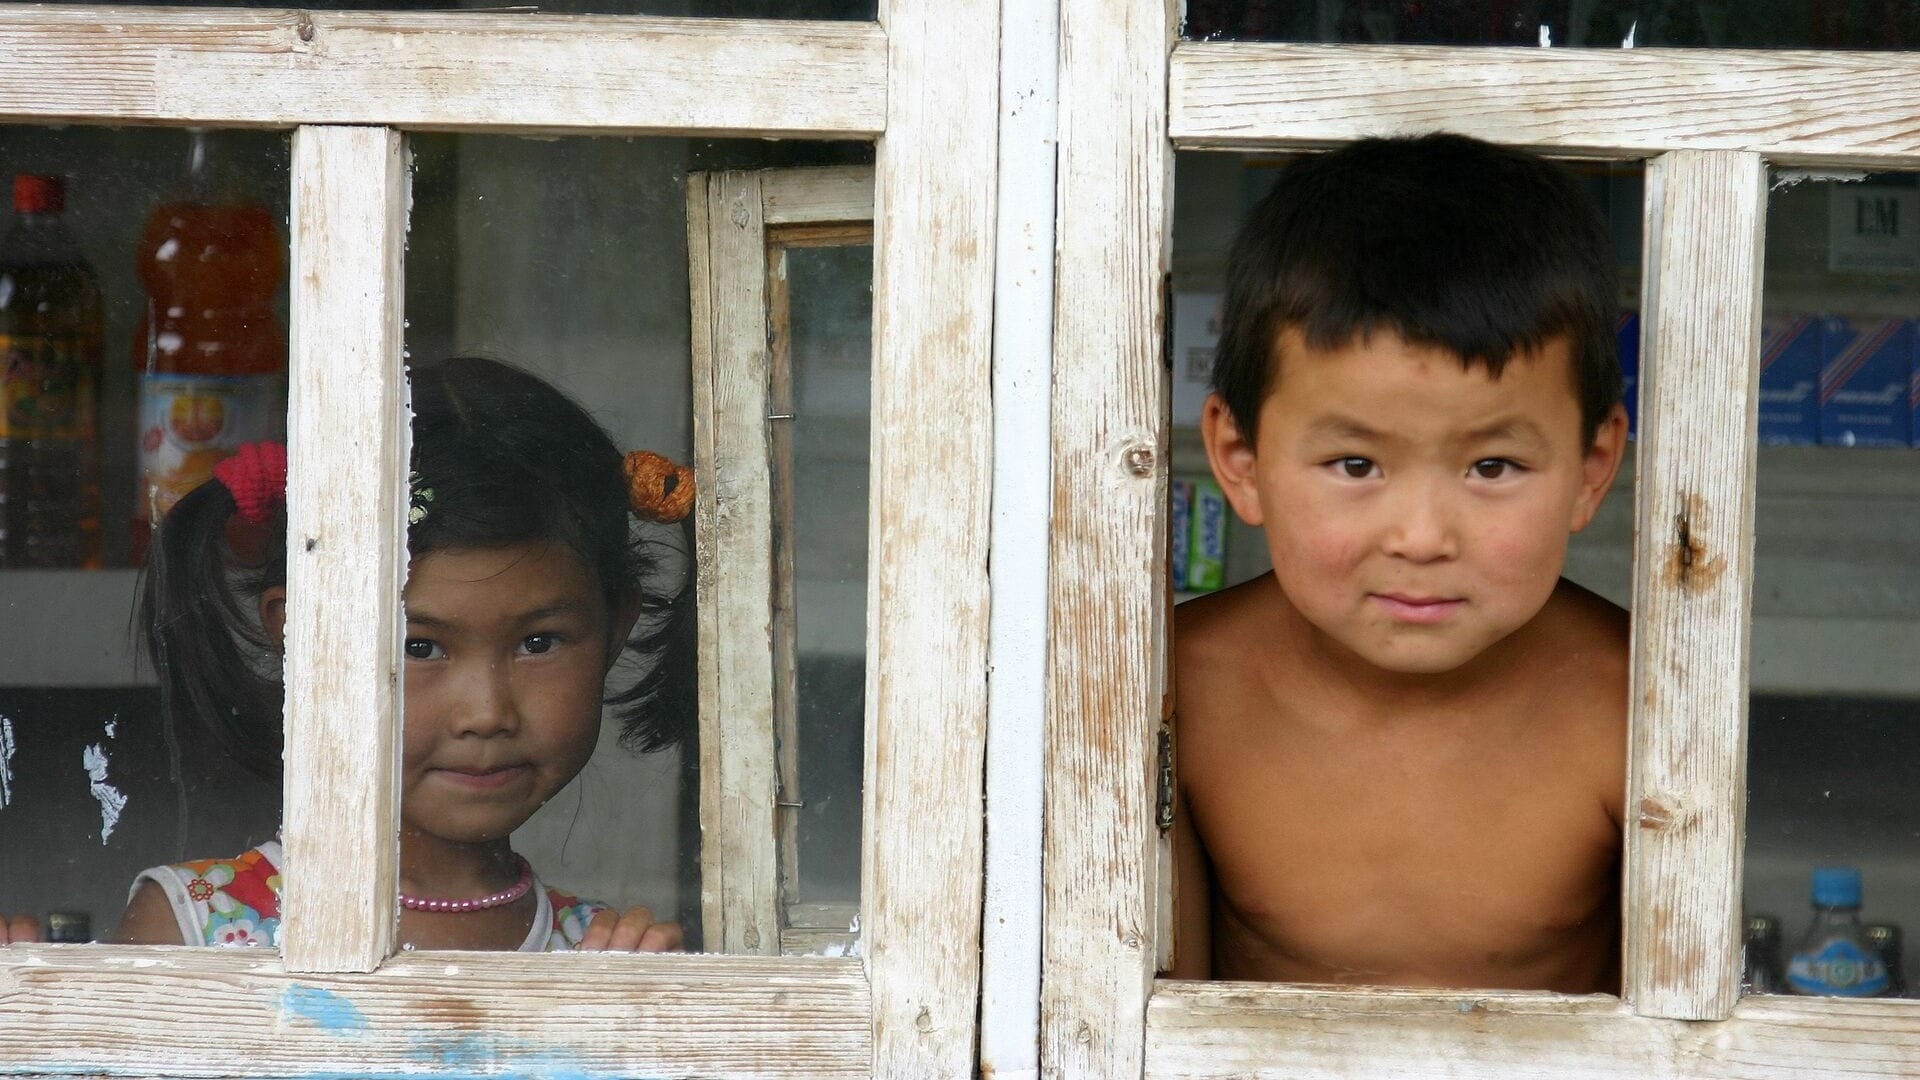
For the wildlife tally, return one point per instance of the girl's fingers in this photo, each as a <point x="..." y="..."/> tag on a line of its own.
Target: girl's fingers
<point x="632" y="928"/>
<point x="662" y="937"/>
<point x="19" y="929"/>
<point x="599" y="930"/>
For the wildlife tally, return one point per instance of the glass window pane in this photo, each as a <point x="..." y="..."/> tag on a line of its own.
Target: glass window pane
<point x="143" y="322"/>
<point x="830" y="315"/>
<point x="566" y="261"/>
<point x="1352" y="479"/>
<point x="1770" y="24"/>
<point x="1836" y="600"/>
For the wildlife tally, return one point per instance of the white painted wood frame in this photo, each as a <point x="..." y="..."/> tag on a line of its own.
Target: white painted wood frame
<point x="336" y="1001"/>
<point x="1711" y="122"/>
<point x="743" y="412"/>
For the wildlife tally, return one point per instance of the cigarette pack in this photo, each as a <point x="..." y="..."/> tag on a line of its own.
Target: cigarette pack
<point x="1864" y="383"/>
<point x="1179" y="529"/>
<point x="1789" y="377"/>
<point x="1627" y="330"/>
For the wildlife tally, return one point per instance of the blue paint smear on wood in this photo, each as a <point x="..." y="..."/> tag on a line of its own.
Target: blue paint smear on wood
<point x="323" y="1008"/>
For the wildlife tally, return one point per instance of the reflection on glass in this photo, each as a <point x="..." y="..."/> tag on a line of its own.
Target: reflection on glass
<point x="1767" y="24"/>
<point x="1832" y="830"/>
<point x="829" y="329"/>
<point x="126" y="325"/>
<point x="518" y="254"/>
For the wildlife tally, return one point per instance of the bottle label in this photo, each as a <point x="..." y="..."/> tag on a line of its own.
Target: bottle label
<point x="189" y="422"/>
<point x="1840" y="968"/>
<point x="46" y="386"/>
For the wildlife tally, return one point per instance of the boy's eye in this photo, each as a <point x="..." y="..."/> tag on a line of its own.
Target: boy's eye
<point x="535" y="644"/>
<point x="1357" y="468"/>
<point x="423" y="649"/>
<point x="1493" y="468"/>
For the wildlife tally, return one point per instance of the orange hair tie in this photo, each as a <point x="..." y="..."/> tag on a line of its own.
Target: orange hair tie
<point x="658" y="488"/>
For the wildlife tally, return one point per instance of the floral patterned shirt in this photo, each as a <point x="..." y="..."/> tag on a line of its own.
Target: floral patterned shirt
<point x="237" y="902"/>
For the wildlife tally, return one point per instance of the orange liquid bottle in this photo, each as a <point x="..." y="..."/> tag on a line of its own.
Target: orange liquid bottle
<point x="210" y="353"/>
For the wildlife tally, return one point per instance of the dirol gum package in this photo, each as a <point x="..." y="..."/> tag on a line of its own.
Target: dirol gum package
<point x="1865" y="382"/>
<point x="1627" y="330"/>
<point x="1789" y="378"/>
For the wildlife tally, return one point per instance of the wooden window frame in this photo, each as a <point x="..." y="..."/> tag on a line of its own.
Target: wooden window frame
<point x="739" y="227"/>
<point x="1708" y="124"/>
<point x="337" y="997"/>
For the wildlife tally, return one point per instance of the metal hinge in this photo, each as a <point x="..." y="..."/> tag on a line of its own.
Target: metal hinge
<point x="1163" y="804"/>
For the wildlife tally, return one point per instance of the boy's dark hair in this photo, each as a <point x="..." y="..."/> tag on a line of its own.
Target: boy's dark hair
<point x="1446" y="240"/>
<point x="509" y="460"/>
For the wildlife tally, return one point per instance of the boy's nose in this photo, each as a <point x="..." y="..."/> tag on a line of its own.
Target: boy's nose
<point x="1423" y="527"/>
<point x="488" y="707"/>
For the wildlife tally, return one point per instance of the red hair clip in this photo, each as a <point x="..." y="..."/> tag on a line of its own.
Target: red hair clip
<point x="256" y="475"/>
<point x="657" y="488"/>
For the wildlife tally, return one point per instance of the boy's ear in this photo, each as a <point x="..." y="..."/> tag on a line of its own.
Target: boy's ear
<point x="1601" y="464"/>
<point x="1230" y="453"/>
<point x="273" y="617"/>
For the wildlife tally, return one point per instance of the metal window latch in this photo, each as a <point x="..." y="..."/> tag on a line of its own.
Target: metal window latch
<point x="1163" y="804"/>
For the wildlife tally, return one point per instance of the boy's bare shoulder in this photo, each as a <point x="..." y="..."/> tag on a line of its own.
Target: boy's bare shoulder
<point x="1223" y="625"/>
<point x="1581" y="624"/>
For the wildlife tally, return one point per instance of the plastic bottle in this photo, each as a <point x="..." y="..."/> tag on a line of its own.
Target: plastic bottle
<point x="1835" y="958"/>
<point x="1760" y="956"/>
<point x="50" y="330"/>
<point x="210" y="353"/>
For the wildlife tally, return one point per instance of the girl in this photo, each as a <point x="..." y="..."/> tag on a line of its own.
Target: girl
<point x="525" y="584"/>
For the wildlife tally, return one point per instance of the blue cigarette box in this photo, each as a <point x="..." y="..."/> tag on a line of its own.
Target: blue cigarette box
<point x="1789" y="377"/>
<point x="1179" y="524"/>
<point x="1864" y="384"/>
<point x="1627" y="330"/>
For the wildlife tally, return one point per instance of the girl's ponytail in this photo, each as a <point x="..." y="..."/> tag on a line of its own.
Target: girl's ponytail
<point x="198" y="616"/>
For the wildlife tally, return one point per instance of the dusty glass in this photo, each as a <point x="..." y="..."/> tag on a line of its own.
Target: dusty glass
<point x="142" y="319"/>
<point x="568" y="261"/>
<point x="1836" y="600"/>
<point x="1603" y="24"/>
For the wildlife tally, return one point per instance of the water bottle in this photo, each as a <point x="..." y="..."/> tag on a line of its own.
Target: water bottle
<point x="1835" y="959"/>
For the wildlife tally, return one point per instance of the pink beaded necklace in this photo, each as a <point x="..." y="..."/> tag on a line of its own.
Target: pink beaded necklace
<point x="500" y="899"/>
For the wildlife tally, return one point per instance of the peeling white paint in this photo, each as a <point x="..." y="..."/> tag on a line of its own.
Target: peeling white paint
<point x="1546" y="36"/>
<point x="1632" y="28"/>
<point x="6" y="762"/>
<point x="1786" y="178"/>
<point x="111" y="725"/>
<point x="94" y="760"/>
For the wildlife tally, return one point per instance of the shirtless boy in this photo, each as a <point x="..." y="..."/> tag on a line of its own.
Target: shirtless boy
<point x="1402" y="753"/>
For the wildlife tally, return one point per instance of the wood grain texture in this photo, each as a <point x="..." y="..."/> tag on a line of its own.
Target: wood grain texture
<point x="1813" y="108"/>
<point x="1246" y="1030"/>
<point x="789" y="795"/>
<point x="236" y="1012"/>
<point x="519" y="72"/>
<point x="1107" y="578"/>
<point x="930" y="476"/>
<point x="827" y="194"/>
<point x="348" y="442"/>
<point x="1693" y="582"/>
<point x="733" y="527"/>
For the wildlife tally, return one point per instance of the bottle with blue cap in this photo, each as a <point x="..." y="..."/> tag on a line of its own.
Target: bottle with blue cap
<point x="1834" y="958"/>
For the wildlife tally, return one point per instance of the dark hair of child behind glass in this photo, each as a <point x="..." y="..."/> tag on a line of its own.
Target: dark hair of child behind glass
<point x="509" y="460"/>
<point x="1446" y="240"/>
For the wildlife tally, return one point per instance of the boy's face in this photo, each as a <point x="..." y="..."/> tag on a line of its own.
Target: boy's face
<point x="1417" y="511"/>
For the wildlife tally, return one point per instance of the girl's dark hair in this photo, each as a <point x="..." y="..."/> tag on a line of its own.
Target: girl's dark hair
<point x="1446" y="240"/>
<point x="509" y="460"/>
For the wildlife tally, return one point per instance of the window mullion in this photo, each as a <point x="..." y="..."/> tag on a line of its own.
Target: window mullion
<point x="1693" y="573"/>
<point x="740" y="898"/>
<point x="346" y="497"/>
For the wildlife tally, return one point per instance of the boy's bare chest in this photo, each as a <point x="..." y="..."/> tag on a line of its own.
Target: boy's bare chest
<point x="1406" y="862"/>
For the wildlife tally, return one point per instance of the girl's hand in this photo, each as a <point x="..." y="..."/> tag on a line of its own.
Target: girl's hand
<point x="20" y="929"/>
<point x="630" y="931"/>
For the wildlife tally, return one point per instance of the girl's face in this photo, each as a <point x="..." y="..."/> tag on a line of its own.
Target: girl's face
<point x="506" y="657"/>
